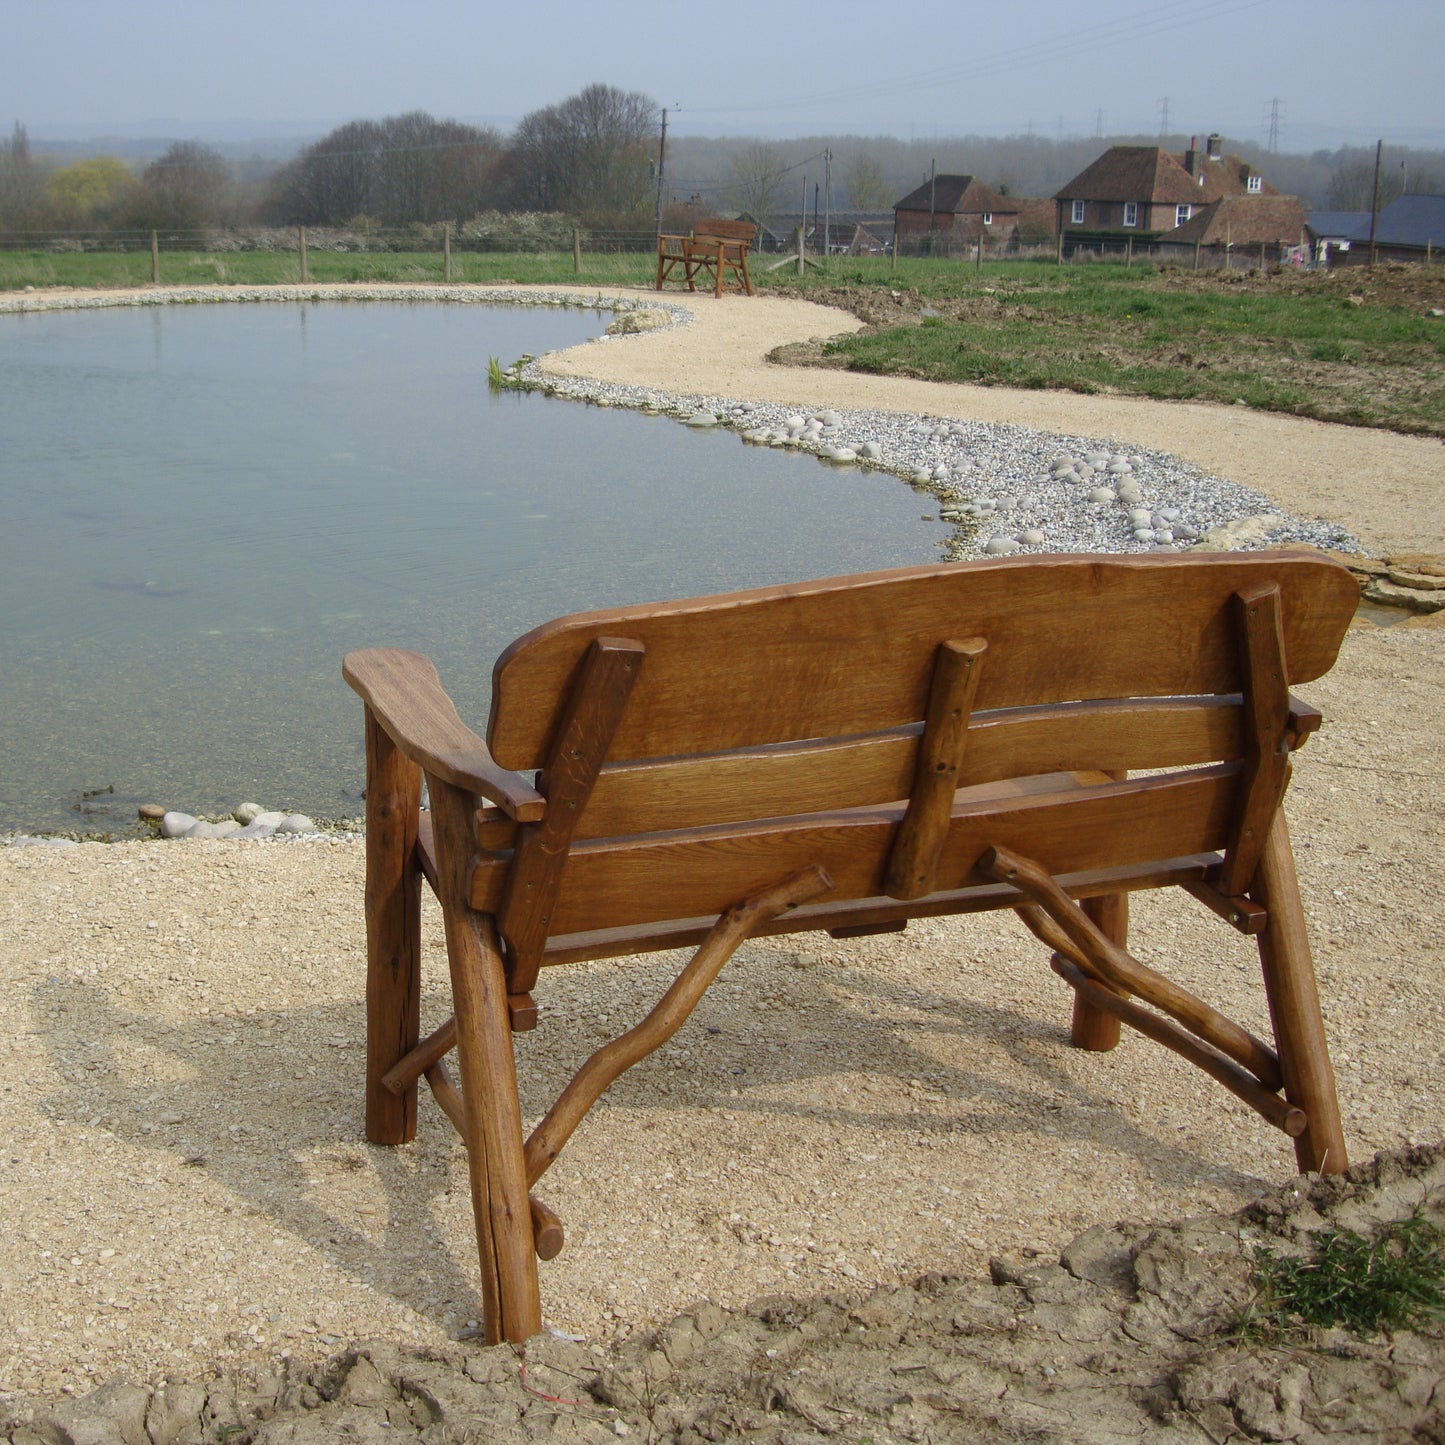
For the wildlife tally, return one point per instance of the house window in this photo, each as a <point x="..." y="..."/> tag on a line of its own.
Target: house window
<point x="1255" y="184"/>
<point x="988" y="218"/>
<point x="1078" y="213"/>
<point x="1131" y="213"/>
<point x="1182" y="213"/>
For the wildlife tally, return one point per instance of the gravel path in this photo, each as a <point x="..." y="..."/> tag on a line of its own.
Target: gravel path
<point x="180" y="1036"/>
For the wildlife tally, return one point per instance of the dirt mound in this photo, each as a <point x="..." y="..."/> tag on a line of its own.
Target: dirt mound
<point x="1134" y="1333"/>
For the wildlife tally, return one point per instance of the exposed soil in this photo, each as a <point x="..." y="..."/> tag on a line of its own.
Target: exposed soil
<point x="1133" y="1333"/>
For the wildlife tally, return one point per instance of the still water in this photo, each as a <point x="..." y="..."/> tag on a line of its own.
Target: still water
<point x="202" y="508"/>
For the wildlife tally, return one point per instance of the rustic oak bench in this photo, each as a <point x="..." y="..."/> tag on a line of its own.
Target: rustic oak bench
<point x="716" y="247"/>
<point x="1044" y="735"/>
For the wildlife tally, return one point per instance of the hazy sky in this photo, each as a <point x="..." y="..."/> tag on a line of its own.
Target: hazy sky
<point x="1341" y="70"/>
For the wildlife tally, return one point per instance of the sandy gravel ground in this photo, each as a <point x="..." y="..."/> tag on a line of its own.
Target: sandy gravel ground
<point x="182" y="1169"/>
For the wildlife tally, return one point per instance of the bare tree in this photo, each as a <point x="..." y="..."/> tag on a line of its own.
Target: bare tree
<point x="183" y="190"/>
<point x="755" y="179"/>
<point x="394" y="171"/>
<point x="22" y="181"/>
<point x="866" y="187"/>
<point x="588" y="156"/>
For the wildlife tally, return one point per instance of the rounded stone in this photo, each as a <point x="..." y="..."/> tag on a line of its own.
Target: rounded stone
<point x="1032" y="537"/>
<point x="1000" y="546"/>
<point x="701" y="419"/>
<point x="247" y="812"/>
<point x="176" y="825"/>
<point x="151" y="812"/>
<point x="1101" y="494"/>
<point x="296" y="823"/>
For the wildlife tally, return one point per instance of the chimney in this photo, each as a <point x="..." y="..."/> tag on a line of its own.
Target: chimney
<point x="1214" y="144"/>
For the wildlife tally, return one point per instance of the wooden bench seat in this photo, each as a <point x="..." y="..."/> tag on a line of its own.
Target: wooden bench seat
<point x="1044" y="735"/>
<point x="715" y="248"/>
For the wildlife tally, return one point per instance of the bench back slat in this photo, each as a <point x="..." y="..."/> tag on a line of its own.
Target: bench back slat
<point x="849" y="656"/>
<point x="668" y="793"/>
<point x="638" y="879"/>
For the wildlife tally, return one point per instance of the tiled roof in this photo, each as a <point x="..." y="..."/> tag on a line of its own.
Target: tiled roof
<point x="1159" y="177"/>
<point x="955" y="193"/>
<point x="1243" y="221"/>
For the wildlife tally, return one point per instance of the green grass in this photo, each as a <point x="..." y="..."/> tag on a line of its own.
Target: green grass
<point x="19" y="269"/>
<point x="1295" y="344"/>
<point x="1390" y="1280"/>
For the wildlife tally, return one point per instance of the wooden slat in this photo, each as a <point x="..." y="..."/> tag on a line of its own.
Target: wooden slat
<point x="849" y="655"/>
<point x="596" y="704"/>
<point x="1066" y="823"/>
<point x="872" y="915"/>
<point x="1266" y="719"/>
<point x="404" y="693"/>
<point x="913" y="860"/>
<point x="859" y="772"/>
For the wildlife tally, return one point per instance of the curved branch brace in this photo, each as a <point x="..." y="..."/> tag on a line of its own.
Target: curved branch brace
<point x="670" y="1013"/>
<point x="1120" y="973"/>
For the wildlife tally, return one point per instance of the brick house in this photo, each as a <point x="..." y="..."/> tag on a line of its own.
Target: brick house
<point x="1146" y="191"/>
<point x="957" y="210"/>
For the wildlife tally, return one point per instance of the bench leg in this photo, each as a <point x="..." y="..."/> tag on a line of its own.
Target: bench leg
<point x="1294" y="1007"/>
<point x="393" y="932"/>
<point x="505" y="1245"/>
<point x="1092" y="1028"/>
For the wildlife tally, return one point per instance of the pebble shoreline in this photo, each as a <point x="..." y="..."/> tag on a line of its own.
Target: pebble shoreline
<point x="1003" y="489"/>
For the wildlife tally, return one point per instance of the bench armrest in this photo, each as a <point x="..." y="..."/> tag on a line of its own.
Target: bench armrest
<point x="406" y="697"/>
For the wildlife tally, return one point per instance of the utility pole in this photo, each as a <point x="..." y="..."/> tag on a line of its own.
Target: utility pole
<point x="932" y="197"/>
<point x="661" y="159"/>
<point x="1375" y="199"/>
<point x="1164" y="117"/>
<point x="1274" y="126"/>
<point x="827" y="196"/>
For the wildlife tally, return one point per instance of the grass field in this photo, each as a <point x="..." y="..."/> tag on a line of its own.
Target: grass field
<point x="19" y="269"/>
<point x="1357" y="346"/>
<point x="1353" y="346"/>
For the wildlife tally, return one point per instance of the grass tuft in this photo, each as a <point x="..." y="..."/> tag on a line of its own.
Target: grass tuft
<point x="1391" y="1280"/>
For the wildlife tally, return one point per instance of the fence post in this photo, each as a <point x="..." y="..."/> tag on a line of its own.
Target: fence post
<point x="893" y="255"/>
<point x="1129" y="251"/>
<point x="1263" y="264"/>
<point x="1197" y="244"/>
<point x="155" y="260"/>
<point x="301" y="245"/>
<point x="446" y="251"/>
<point x="1061" y="247"/>
<point x="800" y="249"/>
<point x="576" y="251"/>
<point x="978" y="260"/>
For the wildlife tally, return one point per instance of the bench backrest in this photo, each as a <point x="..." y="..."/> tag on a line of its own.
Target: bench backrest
<point x="714" y="227"/>
<point x="756" y="732"/>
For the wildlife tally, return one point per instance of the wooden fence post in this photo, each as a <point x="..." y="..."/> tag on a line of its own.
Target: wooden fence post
<point x="576" y="251"/>
<point x="978" y="260"/>
<point x="446" y="251"/>
<point x="301" y="244"/>
<point x="1263" y="264"/>
<point x="155" y="260"/>
<point x="893" y="255"/>
<point x="1129" y="251"/>
<point x="800" y="249"/>
<point x="1197" y="244"/>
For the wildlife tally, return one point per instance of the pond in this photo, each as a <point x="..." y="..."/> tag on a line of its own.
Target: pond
<point x="202" y="508"/>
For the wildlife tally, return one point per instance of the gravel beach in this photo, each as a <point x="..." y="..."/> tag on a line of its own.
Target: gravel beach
<point x="184" y="1173"/>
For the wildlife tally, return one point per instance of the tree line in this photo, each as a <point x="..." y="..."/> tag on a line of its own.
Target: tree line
<point x="592" y="158"/>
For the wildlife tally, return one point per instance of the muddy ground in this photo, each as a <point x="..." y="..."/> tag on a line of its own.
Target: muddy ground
<point x="1134" y="1333"/>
